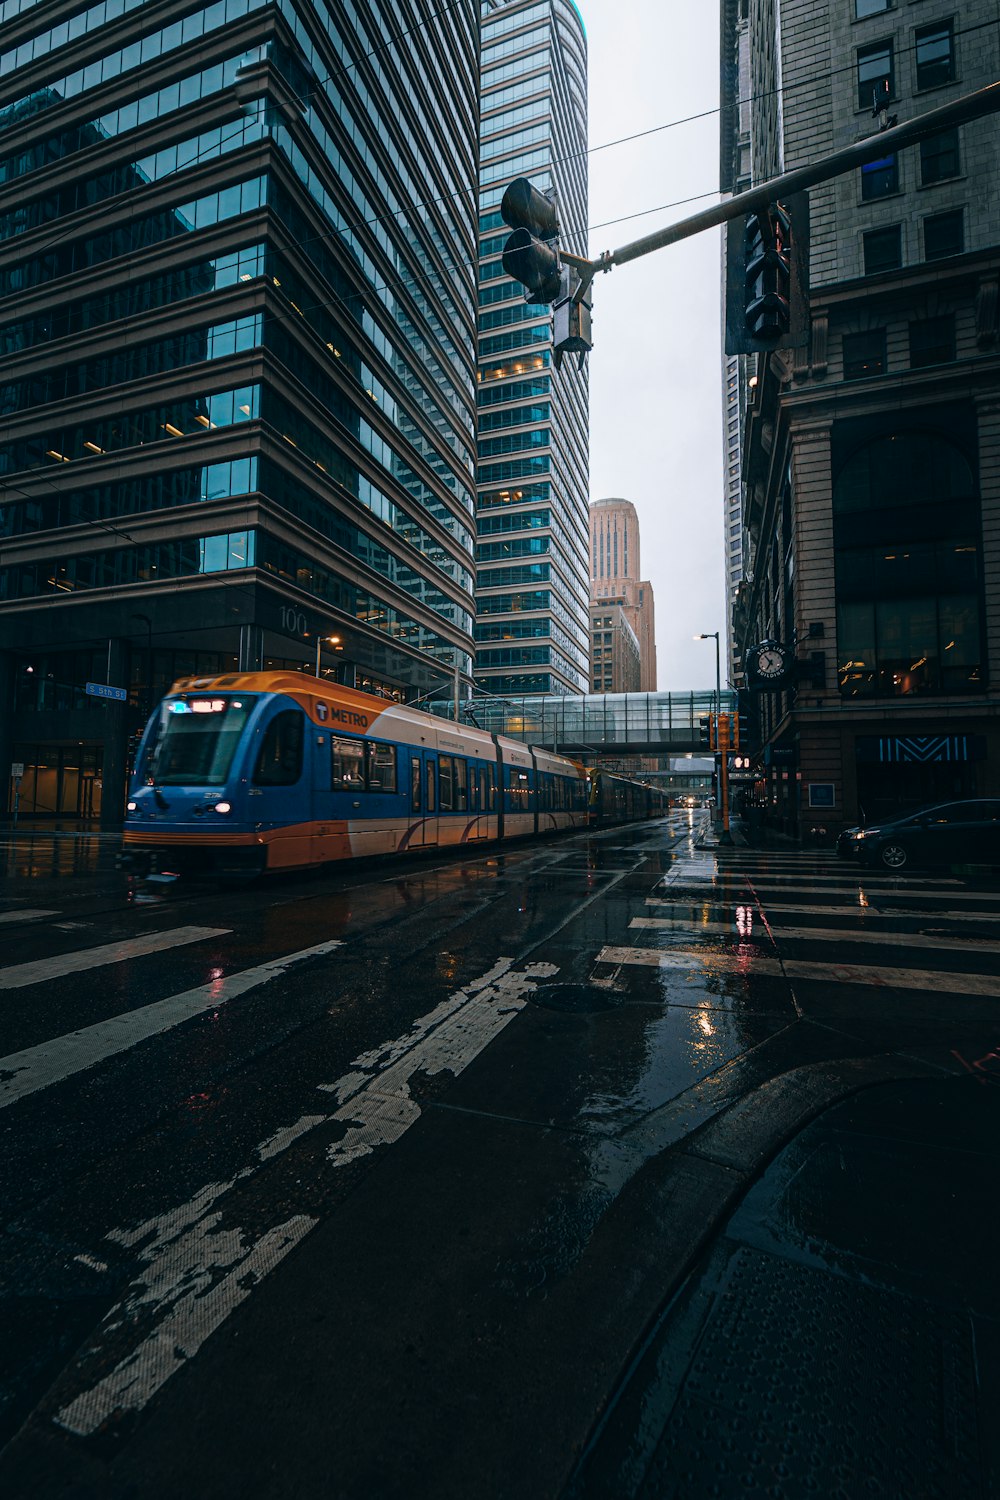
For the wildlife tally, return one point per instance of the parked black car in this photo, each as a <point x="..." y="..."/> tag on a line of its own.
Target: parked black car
<point x="950" y="834"/>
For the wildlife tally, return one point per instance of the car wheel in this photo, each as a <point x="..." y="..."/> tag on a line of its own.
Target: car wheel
<point x="893" y="856"/>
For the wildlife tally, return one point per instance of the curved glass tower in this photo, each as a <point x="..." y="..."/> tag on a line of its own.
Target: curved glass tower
<point x="237" y="324"/>
<point x="533" y="579"/>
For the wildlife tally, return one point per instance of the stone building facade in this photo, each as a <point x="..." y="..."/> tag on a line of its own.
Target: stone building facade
<point x="616" y="580"/>
<point x="871" y="456"/>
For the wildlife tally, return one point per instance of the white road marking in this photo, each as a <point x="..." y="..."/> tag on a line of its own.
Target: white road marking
<point x="711" y="962"/>
<point x="198" y="1271"/>
<point x="82" y="959"/>
<point x="857" y="910"/>
<point x="757" y="933"/>
<point x="27" y="914"/>
<point x="50" y="1062"/>
<point x="781" y="882"/>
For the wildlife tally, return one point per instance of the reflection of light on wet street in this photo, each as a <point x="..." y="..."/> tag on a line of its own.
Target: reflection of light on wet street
<point x="862" y="899"/>
<point x="36" y="855"/>
<point x="744" y="921"/>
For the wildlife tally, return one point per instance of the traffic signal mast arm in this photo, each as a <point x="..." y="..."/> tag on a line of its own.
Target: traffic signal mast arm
<point x="757" y="199"/>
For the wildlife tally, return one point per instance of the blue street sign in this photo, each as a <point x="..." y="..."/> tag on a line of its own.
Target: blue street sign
<point x="105" y="690"/>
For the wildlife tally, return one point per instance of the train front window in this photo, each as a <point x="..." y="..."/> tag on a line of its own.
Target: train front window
<point x="197" y="740"/>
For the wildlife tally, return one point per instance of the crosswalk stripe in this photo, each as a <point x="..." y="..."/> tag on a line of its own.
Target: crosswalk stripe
<point x="781" y="882"/>
<point x="709" y="962"/>
<point x="758" y="934"/>
<point x="26" y="914"/>
<point x="82" y="959"/>
<point x="50" y="1062"/>
<point x="830" y="911"/>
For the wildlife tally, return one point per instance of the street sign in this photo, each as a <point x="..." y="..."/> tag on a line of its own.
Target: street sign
<point x="16" y="770"/>
<point x="105" y="690"/>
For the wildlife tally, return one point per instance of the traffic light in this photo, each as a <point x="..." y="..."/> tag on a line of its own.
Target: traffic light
<point x="766" y="278"/>
<point x="531" y="254"/>
<point x="706" y="724"/>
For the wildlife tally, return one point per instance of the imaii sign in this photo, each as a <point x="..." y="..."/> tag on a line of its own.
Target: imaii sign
<point x="105" y="690"/>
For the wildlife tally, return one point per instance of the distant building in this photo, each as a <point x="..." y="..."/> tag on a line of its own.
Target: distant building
<point x="871" y="453"/>
<point x="533" y="428"/>
<point x="614" y="651"/>
<point x="615" y="578"/>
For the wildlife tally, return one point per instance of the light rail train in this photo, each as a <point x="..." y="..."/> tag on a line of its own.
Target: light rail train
<point x="260" y="771"/>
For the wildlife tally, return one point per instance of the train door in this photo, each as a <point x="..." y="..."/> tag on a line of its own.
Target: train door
<point x="283" y="781"/>
<point x="422" y="800"/>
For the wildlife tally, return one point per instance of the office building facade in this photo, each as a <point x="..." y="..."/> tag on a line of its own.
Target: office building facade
<point x="871" y="460"/>
<point x="533" y="459"/>
<point x="616" y="581"/>
<point x="237" y="322"/>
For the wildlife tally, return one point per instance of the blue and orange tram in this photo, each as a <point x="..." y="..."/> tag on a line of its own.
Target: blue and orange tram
<point x="259" y="771"/>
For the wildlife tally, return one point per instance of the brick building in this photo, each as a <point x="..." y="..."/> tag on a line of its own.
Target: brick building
<point x="871" y="454"/>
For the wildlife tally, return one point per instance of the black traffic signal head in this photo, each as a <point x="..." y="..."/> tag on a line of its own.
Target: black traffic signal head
<point x="705" y="729"/>
<point x="767" y="278"/>
<point x="531" y="254"/>
<point x="768" y="273"/>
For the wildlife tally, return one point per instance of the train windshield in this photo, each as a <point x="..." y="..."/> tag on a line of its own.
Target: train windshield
<point x="197" y="739"/>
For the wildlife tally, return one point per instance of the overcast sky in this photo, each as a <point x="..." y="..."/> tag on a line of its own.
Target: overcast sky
<point x="655" y="373"/>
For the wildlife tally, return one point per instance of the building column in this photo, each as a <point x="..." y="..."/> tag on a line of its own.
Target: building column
<point x="821" y="760"/>
<point x="113" y="769"/>
<point x="251" y="653"/>
<point x="988" y="414"/>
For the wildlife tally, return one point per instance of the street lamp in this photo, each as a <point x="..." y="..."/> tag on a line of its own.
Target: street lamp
<point x="332" y="640"/>
<point x="713" y="635"/>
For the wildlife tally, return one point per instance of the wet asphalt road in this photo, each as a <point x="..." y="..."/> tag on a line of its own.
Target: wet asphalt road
<point x="377" y="1183"/>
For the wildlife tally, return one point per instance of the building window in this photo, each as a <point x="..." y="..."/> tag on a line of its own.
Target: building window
<point x="864" y="8"/>
<point x="875" y="74"/>
<point x="864" y="354"/>
<point x="880" y="178"/>
<point x="939" y="158"/>
<point x="932" y="341"/>
<point x="935" y="51"/>
<point x="883" y="250"/>
<point x="943" y="235"/>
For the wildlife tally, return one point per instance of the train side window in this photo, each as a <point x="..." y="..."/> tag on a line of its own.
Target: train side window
<point x="347" y="769"/>
<point x="415" y="788"/>
<point x="446" y="780"/>
<point x="461" y="784"/>
<point x="431" y="788"/>
<point x="484" y="782"/>
<point x="491" y="782"/>
<point x="381" y="766"/>
<point x="280" y="760"/>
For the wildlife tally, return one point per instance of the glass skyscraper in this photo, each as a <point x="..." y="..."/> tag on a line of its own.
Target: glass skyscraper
<point x="533" y="578"/>
<point x="237" y="335"/>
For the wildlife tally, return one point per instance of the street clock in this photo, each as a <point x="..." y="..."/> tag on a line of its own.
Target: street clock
<point x="770" y="662"/>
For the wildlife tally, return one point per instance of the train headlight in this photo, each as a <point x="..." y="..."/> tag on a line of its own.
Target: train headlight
<point x="223" y="807"/>
<point x="131" y="806"/>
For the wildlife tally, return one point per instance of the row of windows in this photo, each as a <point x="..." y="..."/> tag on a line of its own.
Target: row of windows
<point x="503" y="317"/>
<point x="78" y="135"/>
<point x="491" y="499"/>
<point x="515" y="656"/>
<point x="125" y="177"/>
<point x="939" y="158"/>
<point x="63" y="258"/>
<point x="944" y="235"/>
<point x="183" y="418"/>
<point x="514" y="416"/>
<point x="509" y="118"/>
<point x="174" y="284"/>
<point x="932" y="342"/>
<point x="515" y="442"/>
<point x="521" y="468"/>
<point x="893" y="648"/>
<point x="193" y="346"/>
<point x="529" y="546"/>
<point x="934" y="64"/>
<point x="493" y="52"/>
<point x="513" y="630"/>
<point x="518" y="390"/>
<point x="125" y="565"/>
<point x="519" y="365"/>
<point x="536" y="62"/>
<point x="150" y="492"/>
<point x="518" y="521"/>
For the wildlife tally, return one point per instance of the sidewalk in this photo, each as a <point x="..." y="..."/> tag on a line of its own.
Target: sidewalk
<point x="841" y="1335"/>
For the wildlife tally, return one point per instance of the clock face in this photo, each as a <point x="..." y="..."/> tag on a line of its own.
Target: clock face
<point x="770" y="661"/>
